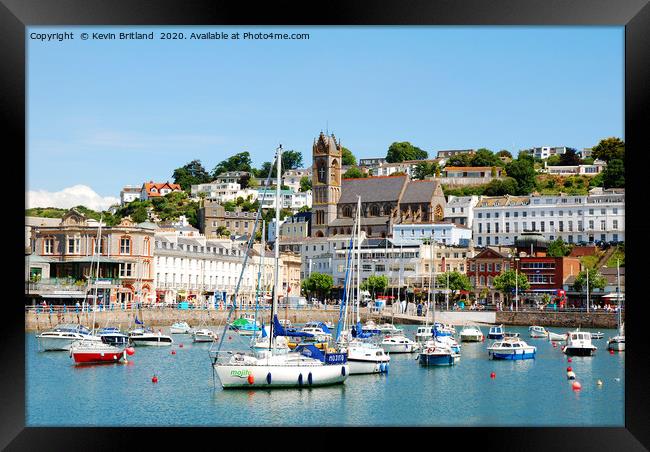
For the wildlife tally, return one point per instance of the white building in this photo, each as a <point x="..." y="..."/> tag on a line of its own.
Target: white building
<point x="460" y="209"/>
<point x="130" y="193"/>
<point x="272" y="234"/>
<point x="544" y="152"/>
<point x="291" y="178"/>
<point x="231" y="177"/>
<point x="223" y="192"/>
<point x="442" y="232"/>
<point x="573" y="170"/>
<point x="289" y="199"/>
<point x="599" y="216"/>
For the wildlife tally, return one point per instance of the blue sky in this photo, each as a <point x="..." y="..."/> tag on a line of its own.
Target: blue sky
<point x="104" y="114"/>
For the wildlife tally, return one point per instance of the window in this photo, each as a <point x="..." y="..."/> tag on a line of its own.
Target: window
<point x="507" y="227"/>
<point x="561" y="213"/>
<point x="496" y="227"/>
<point x="591" y="225"/>
<point x="541" y="225"/>
<point x="126" y="270"/>
<point x="496" y="215"/>
<point x="74" y="245"/>
<point x="487" y="215"/>
<point x="614" y="224"/>
<point x="602" y="225"/>
<point x="482" y="267"/>
<point x="487" y="226"/>
<point x="480" y="227"/>
<point x="533" y="226"/>
<point x="603" y="211"/>
<point x="487" y="240"/>
<point x="480" y="241"/>
<point x="480" y="215"/>
<point x="497" y="267"/>
<point x="48" y="245"/>
<point x="496" y="240"/>
<point x="615" y="210"/>
<point x="125" y="245"/>
<point x="591" y="211"/>
<point x="570" y="239"/>
<point x="507" y="214"/>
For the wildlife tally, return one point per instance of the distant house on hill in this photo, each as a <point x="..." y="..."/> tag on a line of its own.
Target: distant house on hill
<point x="153" y="189"/>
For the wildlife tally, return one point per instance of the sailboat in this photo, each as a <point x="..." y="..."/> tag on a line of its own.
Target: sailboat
<point x="268" y="368"/>
<point x="96" y="351"/>
<point x="363" y="357"/>
<point x="617" y="343"/>
<point x="441" y="349"/>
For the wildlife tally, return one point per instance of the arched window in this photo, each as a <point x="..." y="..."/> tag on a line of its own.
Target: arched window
<point x="321" y="172"/>
<point x="347" y="211"/>
<point x="374" y="211"/>
<point x="438" y="214"/>
<point x="482" y="280"/>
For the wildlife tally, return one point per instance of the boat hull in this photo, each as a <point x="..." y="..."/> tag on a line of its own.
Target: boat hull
<point x="90" y="357"/>
<point x="359" y="366"/>
<point x="400" y="348"/>
<point x="514" y="355"/>
<point x="173" y="330"/>
<point x="239" y="376"/>
<point x="579" y="351"/>
<point x="152" y="341"/>
<point x="554" y="337"/>
<point x="54" y="343"/>
<point x="617" y="346"/>
<point x="436" y="359"/>
<point x="471" y="338"/>
<point x="496" y="336"/>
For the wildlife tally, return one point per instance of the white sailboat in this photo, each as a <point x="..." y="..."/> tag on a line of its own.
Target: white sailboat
<point x="268" y="368"/>
<point x="617" y="343"/>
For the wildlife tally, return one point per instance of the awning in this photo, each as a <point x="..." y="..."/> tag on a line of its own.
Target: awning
<point x="613" y="295"/>
<point x="94" y="260"/>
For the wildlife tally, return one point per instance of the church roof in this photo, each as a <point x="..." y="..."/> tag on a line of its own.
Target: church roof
<point x="418" y="192"/>
<point x="372" y="189"/>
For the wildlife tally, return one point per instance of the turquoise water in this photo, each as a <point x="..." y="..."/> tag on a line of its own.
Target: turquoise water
<point x="527" y="393"/>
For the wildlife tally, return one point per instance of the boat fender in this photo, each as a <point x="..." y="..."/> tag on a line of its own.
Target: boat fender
<point x="387" y="364"/>
<point x="343" y="371"/>
<point x="571" y="375"/>
<point x="114" y="356"/>
<point x="309" y="379"/>
<point x="251" y="379"/>
<point x="300" y="379"/>
<point x="268" y="378"/>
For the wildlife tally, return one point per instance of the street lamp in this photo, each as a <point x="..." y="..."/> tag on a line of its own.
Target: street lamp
<point x="516" y="283"/>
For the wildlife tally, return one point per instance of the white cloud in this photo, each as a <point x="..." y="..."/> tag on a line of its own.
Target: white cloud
<point x="70" y="197"/>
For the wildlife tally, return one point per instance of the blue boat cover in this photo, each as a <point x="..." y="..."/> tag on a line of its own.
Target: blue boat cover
<point x="278" y="330"/>
<point x="137" y="322"/>
<point x="263" y="331"/>
<point x="357" y="331"/>
<point x="311" y="351"/>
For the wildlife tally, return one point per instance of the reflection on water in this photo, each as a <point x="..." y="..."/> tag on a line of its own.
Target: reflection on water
<point x="530" y="392"/>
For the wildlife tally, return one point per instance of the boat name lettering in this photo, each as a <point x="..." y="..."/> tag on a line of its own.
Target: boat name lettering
<point x="240" y="373"/>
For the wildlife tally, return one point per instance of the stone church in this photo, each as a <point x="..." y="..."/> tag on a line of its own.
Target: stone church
<point x="385" y="201"/>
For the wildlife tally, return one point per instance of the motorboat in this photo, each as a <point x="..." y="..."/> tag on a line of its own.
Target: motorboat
<point x="451" y="342"/>
<point x="442" y="329"/>
<point x="597" y="335"/>
<point x="399" y="344"/>
<point x="365" y="357"/>
<point x="555" y="337"/>
<point x="180" y="328"/>
<point x="63" y="335"/>
<point x="436" y="353"/>
<point x="512" y="349"/>
<point x="537" y="331"/>
<point x="579" y="344"/>
<point x="370" y="327"/>
<point x="246" y="326"/>
<point x="141" y="336"/>
<point x="86" y="352"/>
<point x="423" y="333"/>
<point x="389" y="328"/>
<point x="471" y="333"/>
<point x="616" y="343"/>
<point x="496" y="332"/>
<point x="204" y="335"/>
<point x="510" y="334"/>
<point x="112" y="335"/>
<point x="318" y="330"/>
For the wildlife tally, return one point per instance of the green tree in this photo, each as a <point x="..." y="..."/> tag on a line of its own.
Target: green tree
<point x="223" y="231"/>
<point x="504" y="153"/>
<point x="613" y="176"/>
<point x="348" y="158"/>
<point x="570" y="158"/>
<point x="375" y="283"/>
<point x="400" y="151"/>
<point x="485" y="157"/>
<point x="608" y="149"/>
<point x="305" y="183"/>
<point x="557" y="248"/>
<point x="523" y="171"/>
<point x="237" y="162"/>
<point x="229" y="206"/>
<point x="291" y="160"/>
<point x="263" y="172"/>
<point x="354" y="173"/>
<point x="319" y="283"/>
<point x="425" y="169"/>
<point x="190" y="174"/>
<point x="553" y="160"/>
<point x="596" y="281"/>
<point x="457" y="282"/>
<point x="460" y="160"/>
<point x="500" y="187"/>
<point x="507" y="281"/>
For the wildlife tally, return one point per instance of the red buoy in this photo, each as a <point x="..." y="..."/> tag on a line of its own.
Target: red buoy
<point x="569" y="369"/>
<point x="229" y="337"/>
<point x="493" y="375"/>
<point x="611" y="352"/>
<point x="554" y="345"/>
<point x="154" y="379"/>
<point x="130" y="351"/>
<point x="576" y="386"/>
<point x="251" y="379"/>
<point x="180" y="345"/>
<point x="173" y="352"/>
<point x="569" y="359"/>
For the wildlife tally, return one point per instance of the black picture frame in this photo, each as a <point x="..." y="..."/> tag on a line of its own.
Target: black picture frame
<point x="16" y="15"/>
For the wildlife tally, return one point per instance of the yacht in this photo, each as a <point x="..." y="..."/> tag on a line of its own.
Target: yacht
<point x="537" y="331"/>
<point x="399" y="344"/>
<point x="579" y="344"/>
<point x="112" y="335"/>
<point x="513" y="349"/>
<point x="555" y="337"/>
<point x="597" y="335"/>
<point x="436" y="353"/>
<point x="471" y="333"/>
<point x="496" y="332"/>
<point x="87" y="352"/>
<point x="423" y="334"/>
<point x="63" y="335"/>
<point x="180" y="328"/>
<point x="148" y="337"/>
<point x="366" y="358"/>
<point x="204" y="335"/>
<point x="616" y="343"/>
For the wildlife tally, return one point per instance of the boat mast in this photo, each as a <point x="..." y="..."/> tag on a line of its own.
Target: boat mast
<point x="618" y="294"/>
<point x="99" y="242"/>
<point x="260" y="275"/>
<point x="277" y="242"/>
<point x="358" y="257"/>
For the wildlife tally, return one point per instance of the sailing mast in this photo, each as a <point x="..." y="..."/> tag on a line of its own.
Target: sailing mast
<point x="260" y="275"/>
<point x="618" y="294"/>
<point x="98" y="248"/>
<point x="358" y="257"/>
<point x="277" y="242"/>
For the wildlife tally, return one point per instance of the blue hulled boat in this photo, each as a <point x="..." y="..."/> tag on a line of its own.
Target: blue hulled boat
<point x="496" y="332"/>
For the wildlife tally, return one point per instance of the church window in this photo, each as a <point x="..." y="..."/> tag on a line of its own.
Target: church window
<point x="347" y="211"/>
<point x="374" y="211"/>
<point x="438" y="214"/>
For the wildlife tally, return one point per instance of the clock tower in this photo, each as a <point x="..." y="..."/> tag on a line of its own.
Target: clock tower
<point x="325" y="182"/>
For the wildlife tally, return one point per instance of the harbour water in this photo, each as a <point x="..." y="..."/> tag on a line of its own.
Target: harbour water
<point x="525" y="393"/>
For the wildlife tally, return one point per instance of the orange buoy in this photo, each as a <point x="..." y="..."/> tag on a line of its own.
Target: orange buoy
<point x="493" y="375"/>
<point x="251" y="379"/>
<point x="576" y="386"/>
<point x="130" y="351"/>
<point x="154" y="379"/>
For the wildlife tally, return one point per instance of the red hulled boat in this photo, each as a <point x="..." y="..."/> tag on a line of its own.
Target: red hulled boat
<point x="87" y="353"/>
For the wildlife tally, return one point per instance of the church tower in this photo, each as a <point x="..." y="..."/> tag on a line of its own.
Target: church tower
<point x="325" y="182"/>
